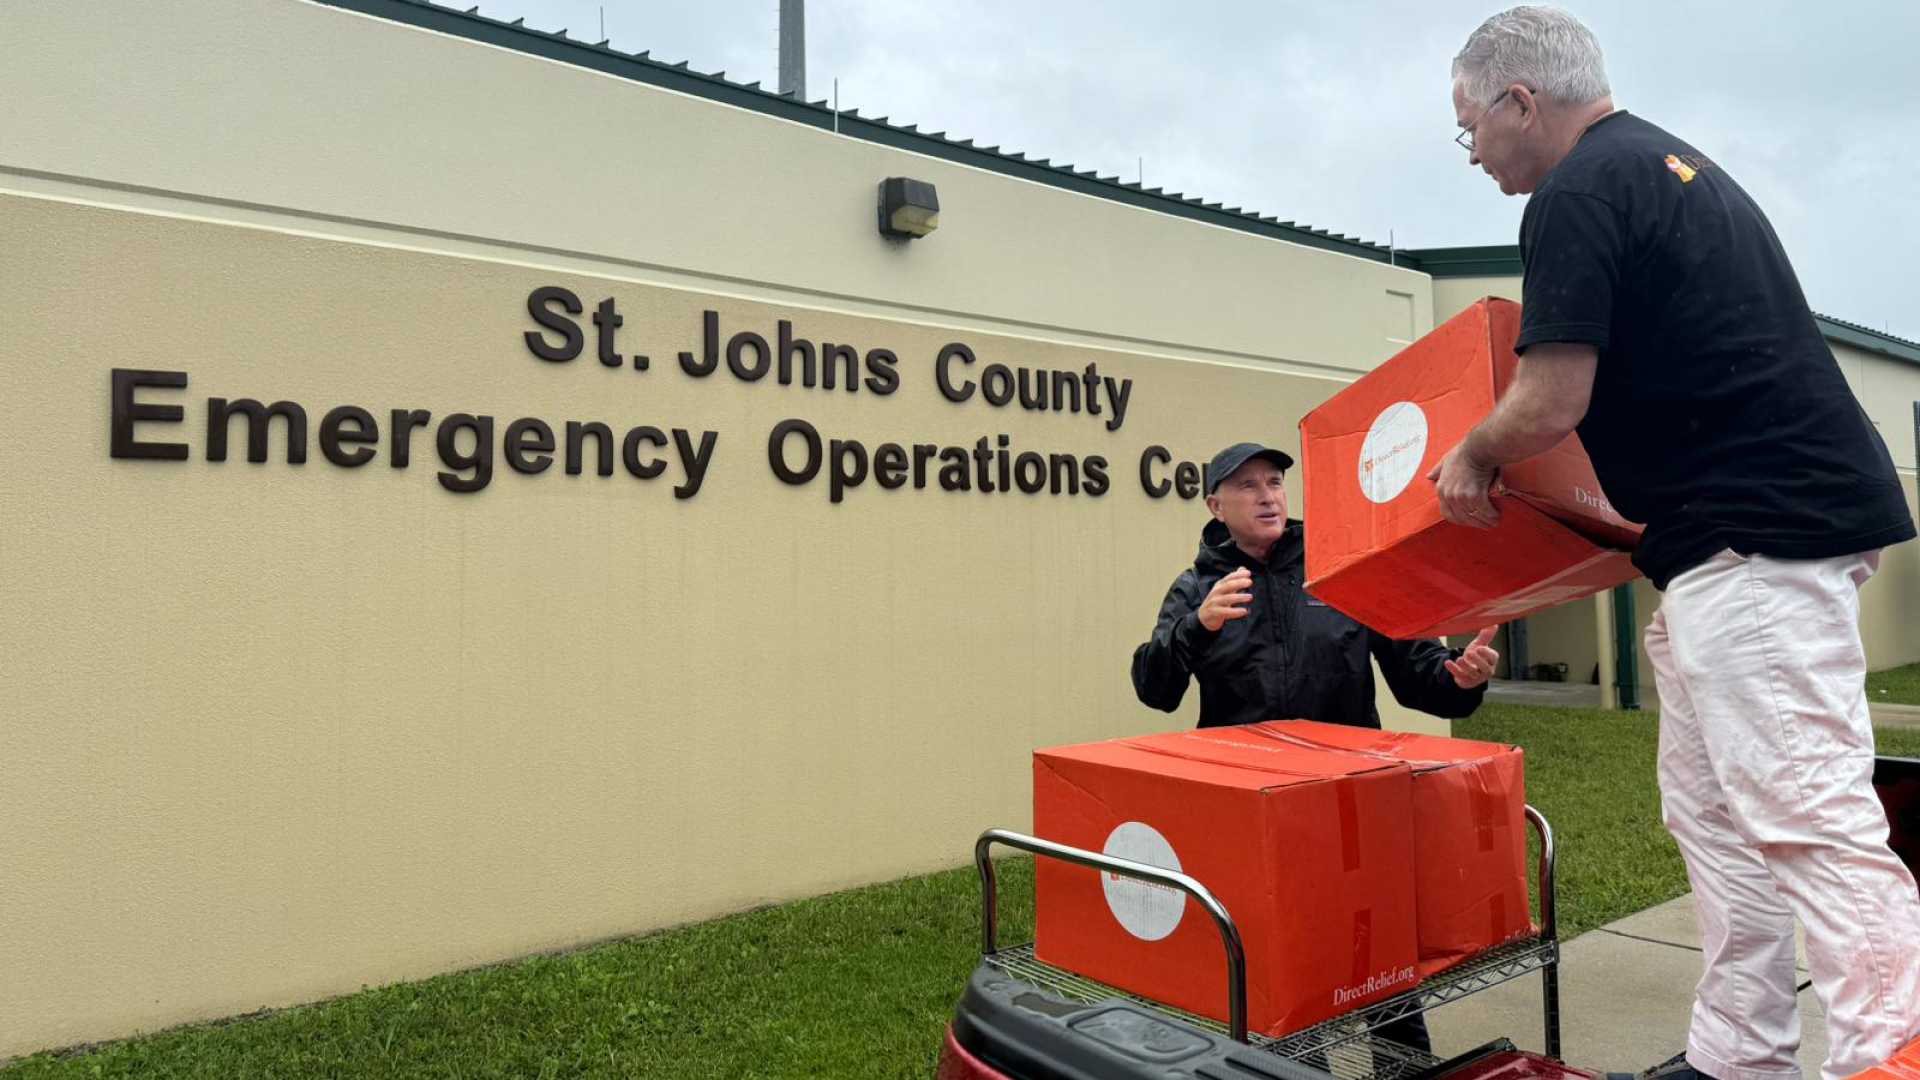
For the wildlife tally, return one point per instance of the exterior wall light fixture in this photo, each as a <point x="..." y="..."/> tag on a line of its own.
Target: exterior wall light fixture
<point x="908" y="208"/>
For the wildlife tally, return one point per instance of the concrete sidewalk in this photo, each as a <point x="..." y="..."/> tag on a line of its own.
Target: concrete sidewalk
<point x="1900" y="716"/>
<point x="1560" y="695"/>
<point x="1625" y="993"/>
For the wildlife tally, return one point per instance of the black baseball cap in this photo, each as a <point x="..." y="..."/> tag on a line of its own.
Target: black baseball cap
<point x="1226" y="461"/>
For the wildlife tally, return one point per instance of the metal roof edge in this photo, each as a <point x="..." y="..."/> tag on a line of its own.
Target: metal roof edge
<point x="641" y="67"/>
<point x="1871" y="340"/>
<point x="1503" y="260"/>
<point x="1489" y="260"/>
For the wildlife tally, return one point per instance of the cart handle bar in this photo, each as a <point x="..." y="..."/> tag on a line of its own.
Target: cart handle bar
<point x="1229" y="933"/>
<point x="1549" y="924"/>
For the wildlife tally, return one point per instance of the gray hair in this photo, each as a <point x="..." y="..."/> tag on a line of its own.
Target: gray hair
<point x="1542" y="48"/>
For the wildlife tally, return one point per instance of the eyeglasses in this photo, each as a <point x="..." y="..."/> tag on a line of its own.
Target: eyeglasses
<point x="1465" y="138"/>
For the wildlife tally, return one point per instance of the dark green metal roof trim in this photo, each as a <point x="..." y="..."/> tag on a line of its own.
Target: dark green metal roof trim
<point x="1873" y="341"/>
<point x="1504" y="261"/>
<point x="1495" y="260"/>
<point x="640" y="67"/>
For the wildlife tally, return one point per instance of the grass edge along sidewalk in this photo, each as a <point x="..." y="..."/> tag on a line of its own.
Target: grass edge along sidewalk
<point x="855" y="984"/>
<point x="1894" y="686"/>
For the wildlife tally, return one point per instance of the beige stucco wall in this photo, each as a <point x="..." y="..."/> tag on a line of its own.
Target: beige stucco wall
<point x="1452" y="295"/>
<point x="1564" y="634"/>
<point x="275" y="732"/>
<point x="1887" y="389"/>
<point x="244" y="100"/>
<point x="1889" y="608"/>
<point x="278" y="731"/>
<point x="1890" y="602"/>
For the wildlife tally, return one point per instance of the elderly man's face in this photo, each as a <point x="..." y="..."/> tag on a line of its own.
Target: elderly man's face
<point x="1252" y="504"/>
<point x="1501" y="138"/>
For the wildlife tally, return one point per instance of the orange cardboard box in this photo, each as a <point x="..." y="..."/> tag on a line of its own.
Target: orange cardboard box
<point x="1469" y="832"/>
<point x="1903" y="1065"/>
<point x="1308" y="850"/>
<point x="1377" y="547"/>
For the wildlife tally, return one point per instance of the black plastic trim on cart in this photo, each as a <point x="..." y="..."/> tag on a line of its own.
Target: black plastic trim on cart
<point x="1024" y="1032"/>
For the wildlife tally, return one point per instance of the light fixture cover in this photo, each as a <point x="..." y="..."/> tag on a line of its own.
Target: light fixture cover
<point x="908" y="207"/>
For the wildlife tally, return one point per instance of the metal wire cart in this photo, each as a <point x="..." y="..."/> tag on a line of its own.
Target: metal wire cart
<point x="1346" y="1046"/>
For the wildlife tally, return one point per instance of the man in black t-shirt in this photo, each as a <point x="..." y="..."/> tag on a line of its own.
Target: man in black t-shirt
<point x="1663" y="322"/>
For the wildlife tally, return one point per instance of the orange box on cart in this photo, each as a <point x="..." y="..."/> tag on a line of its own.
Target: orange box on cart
<point x="1469" y="832"/>
<point x="1308" y="849"/>
<point x="1377" y="547"/>
<point x="1903" y="1065"/>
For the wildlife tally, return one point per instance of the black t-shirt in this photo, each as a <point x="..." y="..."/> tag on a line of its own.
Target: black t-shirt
<point x="1719" y="418"/>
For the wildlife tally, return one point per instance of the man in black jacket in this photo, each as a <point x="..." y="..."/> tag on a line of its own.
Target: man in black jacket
<point x="1262" y="649"/>
<point x="1239" y="621"/>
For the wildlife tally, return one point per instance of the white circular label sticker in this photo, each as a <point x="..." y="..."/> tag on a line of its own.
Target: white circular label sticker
<point x="1391" y="455"/>
<point x="1148" y="911"/>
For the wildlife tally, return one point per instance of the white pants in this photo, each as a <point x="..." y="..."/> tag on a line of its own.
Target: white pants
<point x="1766" y="782"/>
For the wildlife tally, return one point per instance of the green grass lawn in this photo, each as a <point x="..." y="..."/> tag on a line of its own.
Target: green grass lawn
<point x="1592" y="774"/>
<point x="858" y="984"/>
<point x="1895" y="686"/>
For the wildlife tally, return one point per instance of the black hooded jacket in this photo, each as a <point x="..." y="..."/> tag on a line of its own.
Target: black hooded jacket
<point x="1290" y="657"/>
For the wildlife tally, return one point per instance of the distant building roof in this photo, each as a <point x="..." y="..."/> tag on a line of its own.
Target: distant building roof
<point x="1503" y="260"/>
<point x="1865" y="337"/>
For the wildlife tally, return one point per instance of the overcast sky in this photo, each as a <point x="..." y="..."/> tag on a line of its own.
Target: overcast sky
<point x="1336" y="114"/>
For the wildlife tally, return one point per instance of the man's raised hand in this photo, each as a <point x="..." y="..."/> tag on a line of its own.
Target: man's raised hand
<point x="1227" y="601"/>
<point x="1477" y="663"/>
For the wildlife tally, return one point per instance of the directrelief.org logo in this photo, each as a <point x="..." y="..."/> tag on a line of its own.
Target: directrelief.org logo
<point x="1147" y="910"/>
<point x="1385" y="979"/>
<point x="1594" y="499"/>
<point x="1391" y="455"/>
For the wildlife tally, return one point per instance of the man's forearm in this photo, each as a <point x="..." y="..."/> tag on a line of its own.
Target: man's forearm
<point x="1511" y="434"/>
<point x="1545" y="402"/>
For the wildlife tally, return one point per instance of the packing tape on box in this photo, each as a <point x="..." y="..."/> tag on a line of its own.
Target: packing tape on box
<point x="1145" y="746"/>
<point x="1362" y="946"/>
<point x="1390" y="740"/>
<point x="1377" y="751"/>
<point x="1347" y="802"/>
<point x="1486" y="805"/>
<point x="1388" y="746"/>
<point x="1349" y="827"/>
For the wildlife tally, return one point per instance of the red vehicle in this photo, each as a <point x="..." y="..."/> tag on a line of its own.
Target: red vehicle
<point x="1020" y="1019"/>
